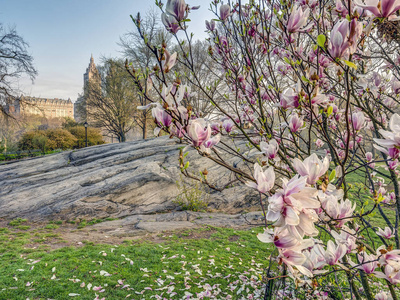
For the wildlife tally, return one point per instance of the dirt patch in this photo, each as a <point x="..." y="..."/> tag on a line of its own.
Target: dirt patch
<point x="55" y="236"/>
<point x="234" y="238"/>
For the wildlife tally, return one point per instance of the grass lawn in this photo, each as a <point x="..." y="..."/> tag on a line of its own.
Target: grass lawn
<point x="225" y="263"/>
<point x="39" y="261"/>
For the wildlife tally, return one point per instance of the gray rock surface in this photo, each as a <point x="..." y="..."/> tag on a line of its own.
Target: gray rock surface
<point x="155" y="223"/>
<point x="113" y="180"/>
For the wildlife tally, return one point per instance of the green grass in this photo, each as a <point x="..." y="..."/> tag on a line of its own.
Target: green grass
<point x="225" y="261"/>
<point x="359" y="194"/>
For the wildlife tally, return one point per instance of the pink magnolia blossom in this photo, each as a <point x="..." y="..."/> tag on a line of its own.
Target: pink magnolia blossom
<point x="334" y="253"/>
<point x="336" y="208"/>
<point x="295" y="123"/>
<point x="396" y="87"/>
<point x="224" y="11"/>
<point x="315" y="260"/>
<point x="368" y="156"/>
<point x="210" y="25"/>
<point x="390" y="273"/>
<point x="177" y="130"/>
<point x="382" y="296"/>
<point x="312" y="167"/>
<point x="212" y="141"/>
<point x="215" y="127"/>
<point x="319" y="99"/>
<point x="341" y="9"/>
<point x="289" y="99"/>
<point x="291" y="257"/>
<point x="319" y="143"/>
<point x="280" y="238"/>
<point x="298" y="19"/>
<point x="346" y="237"/>
<point x="339" y="44"/>
<point x="356" y="29"/>
<point x="169" y="62"/>
<point x="170" y="23"/>
<point x="162" y="117"/>
<point x="386" y="233"/>
<point x="390" y="144"/>
<point x="358" y="120"/>
<point x="199" y="132"/>
<point x="367" y="263"/>
<point x="386" y="257"/>
<point x="265" y="179"/>
<point x="228" y="125"/>
<point x="270" y="149"/>
<point x="381" y="8"/>
<point x="177" y="9"/>
<point x="293" y="206"/>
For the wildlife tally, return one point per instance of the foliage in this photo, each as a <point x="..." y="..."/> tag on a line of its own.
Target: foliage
<point x="60" y="139"/>
<point x="68" y="123"/>
<point x="301" y="80"/>
<point x="192" y="195"/>
<point x="93" y="135"/>
<point x="50" y="139"/>
<point x="26" y="141"/>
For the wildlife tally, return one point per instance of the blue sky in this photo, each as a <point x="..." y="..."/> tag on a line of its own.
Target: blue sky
<point x="62" y="35"/>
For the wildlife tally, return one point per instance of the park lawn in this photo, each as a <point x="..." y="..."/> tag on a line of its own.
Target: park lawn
<point x="360" y="195"/>
<point x="226" y="263"/>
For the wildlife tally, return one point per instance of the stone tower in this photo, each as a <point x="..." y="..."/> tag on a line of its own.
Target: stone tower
<point x="91" y="76"/>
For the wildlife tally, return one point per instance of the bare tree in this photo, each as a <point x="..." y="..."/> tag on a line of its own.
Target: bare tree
<point x="141" y="58"/>
<point x="207" y="74"/>
<point x="15" y="61"/>
<point x="110" y="105"/>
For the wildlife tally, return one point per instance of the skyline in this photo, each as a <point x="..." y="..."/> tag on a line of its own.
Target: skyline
<point x="62" y="36"/>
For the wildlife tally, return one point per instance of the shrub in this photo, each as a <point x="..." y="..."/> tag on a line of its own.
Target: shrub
<point x="26" y="141"/>
<point x="60" y="139"/>
<point x="192" y="196"/>
<point x="49" y="139"/>
<point x="40" y="142"/>
<point x="93" y="134"/>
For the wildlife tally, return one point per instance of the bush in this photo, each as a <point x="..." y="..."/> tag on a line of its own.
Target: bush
<point x="93" y="134"/>
<point x="192" y="196"/>
<point x="40" y="142"/>
<point x="26" y="141"/>
<point x="60" y="139"/>
<point x="49" y="139"/>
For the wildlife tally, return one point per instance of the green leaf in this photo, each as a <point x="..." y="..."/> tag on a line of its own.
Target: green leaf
<point x="304" y="79"/>
<point x="350" y="64"/>
<point x="186" y="165"/>
<point x="332" y="176"/>
<point x="321" y="39"/>
<point x="330" y="110"/>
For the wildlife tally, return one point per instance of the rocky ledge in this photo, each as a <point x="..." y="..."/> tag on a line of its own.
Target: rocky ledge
<point x="113" y="180"/>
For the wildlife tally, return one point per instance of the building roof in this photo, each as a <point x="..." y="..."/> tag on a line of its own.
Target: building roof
<point x="47" y="100"/>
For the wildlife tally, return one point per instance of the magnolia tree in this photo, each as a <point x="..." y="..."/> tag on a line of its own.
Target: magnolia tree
<point x="310" y="92"/>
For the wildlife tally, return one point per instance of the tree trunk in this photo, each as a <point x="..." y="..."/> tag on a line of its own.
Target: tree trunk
<point x="121" y="137"/>
<point x="144" y="126"/>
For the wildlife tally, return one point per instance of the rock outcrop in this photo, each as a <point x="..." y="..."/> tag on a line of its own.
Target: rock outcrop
<point x="113" y="180"/>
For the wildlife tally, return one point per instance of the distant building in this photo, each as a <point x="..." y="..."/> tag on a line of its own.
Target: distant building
<point x="49" y="108"/>
<point x="92" y="76"/>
